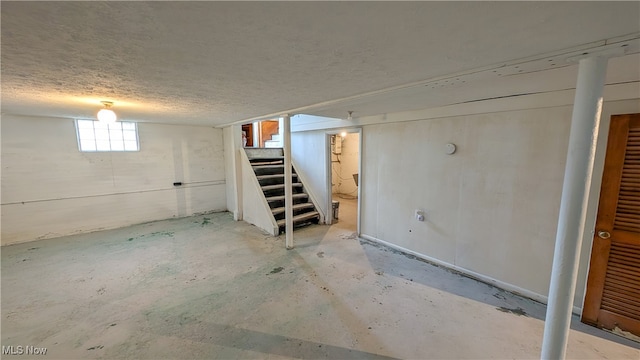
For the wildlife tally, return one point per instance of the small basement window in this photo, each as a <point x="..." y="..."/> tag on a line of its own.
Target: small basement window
<point x="99" y="136"/>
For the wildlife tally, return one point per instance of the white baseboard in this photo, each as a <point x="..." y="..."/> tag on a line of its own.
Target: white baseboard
<point x="472" y="274"/>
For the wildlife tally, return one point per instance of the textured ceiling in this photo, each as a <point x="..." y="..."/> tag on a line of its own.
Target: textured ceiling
<point x="213" y="63"/>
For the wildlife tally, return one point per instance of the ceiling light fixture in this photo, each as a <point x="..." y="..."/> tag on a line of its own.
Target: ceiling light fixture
<point x="350" y="117"/>
<point x="107" y="115"/>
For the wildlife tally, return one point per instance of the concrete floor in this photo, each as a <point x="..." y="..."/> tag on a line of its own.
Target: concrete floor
<point x="209" y="287"/>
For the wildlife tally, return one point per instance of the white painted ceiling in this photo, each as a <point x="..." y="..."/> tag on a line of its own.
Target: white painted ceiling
<point x="214" y="63"/>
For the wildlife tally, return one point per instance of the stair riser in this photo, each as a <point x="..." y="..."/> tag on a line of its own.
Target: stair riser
<point x="263" y="153"/>
<point x="280" y="192"/>
<point x="295" y="213"/>
<point x="275" y="181"/>
<point x="280" y="210"/>
<point x="280" y="203"/>
<point x="313" y="220"/>
<point x="268" y="171"/>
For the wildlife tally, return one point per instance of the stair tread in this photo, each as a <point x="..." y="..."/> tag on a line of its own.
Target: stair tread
<point x="266" y="158"/>
<point x="281" y="197"/>
<point x="266" y="166"/>
<point x="295" y="207"/>
<point x="301" y="217"/>
<point x="272" y="176"/>
<point x="278" y="186"/>
<point x="266" y="162"/>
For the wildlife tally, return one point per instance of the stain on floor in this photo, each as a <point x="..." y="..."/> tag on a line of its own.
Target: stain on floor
<point x="517" y="311"/>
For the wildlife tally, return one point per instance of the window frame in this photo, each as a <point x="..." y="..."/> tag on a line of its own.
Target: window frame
<point x="95" y="139"/>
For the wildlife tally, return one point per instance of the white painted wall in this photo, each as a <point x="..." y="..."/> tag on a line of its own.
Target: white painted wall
<point x="343" y="171"/>
<point x="232" y="136"/>
<point x="309" y="154"/>
<point x="492" y="207"/>
<point x="50" y="188"/>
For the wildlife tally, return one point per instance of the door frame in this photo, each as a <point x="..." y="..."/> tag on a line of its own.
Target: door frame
<point x="329" y="172"/>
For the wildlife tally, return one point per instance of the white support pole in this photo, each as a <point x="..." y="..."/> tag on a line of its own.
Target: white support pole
<point x="236" y="144"/>
<point x="288" y="190"/>
<point x="585" y="123"/>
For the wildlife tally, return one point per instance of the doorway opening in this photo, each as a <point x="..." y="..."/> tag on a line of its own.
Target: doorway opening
<point x="263" y="134"/>
<point x="343" y="184"/>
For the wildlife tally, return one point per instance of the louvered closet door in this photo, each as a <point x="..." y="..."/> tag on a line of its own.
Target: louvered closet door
<point x="613" y="287"/>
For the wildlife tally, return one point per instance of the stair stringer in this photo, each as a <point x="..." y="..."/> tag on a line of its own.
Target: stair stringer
<point x="312" y="197"/>
<point x="256" y="210"/>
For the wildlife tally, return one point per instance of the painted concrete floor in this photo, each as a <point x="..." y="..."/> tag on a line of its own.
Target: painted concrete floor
<point x="209" y="287"/>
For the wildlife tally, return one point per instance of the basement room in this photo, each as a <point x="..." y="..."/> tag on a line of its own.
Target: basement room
<point x="320" y="180"/>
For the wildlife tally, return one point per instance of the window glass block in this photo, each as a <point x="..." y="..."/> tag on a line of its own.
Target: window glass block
<point x="115" y="135"/>
<point x="117" y="146"/>
<point x="87" y="134"/>
<point x="131" y="146"/>
<point x="88" y="145"/>
<point x="103" y="145"/>
<point x="102" y="134"/>
<point x="130" y="135"/>
<point x="85" y="124"/>
<point x="98" y="136"/>
<point x="128" y="126"/>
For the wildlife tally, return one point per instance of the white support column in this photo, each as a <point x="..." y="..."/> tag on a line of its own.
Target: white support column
<point x="236" y="133"/>
<point x="585" y="123"/>
<point x="288" y="190"/>
<point x="256" y="133"/>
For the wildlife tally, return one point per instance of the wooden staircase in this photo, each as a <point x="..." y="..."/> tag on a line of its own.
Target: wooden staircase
<point x="268" y="166"/>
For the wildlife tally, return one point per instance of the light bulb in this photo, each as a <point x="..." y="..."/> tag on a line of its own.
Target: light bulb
<point x="343" y="134"/>
<point x="107" y="115"/>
